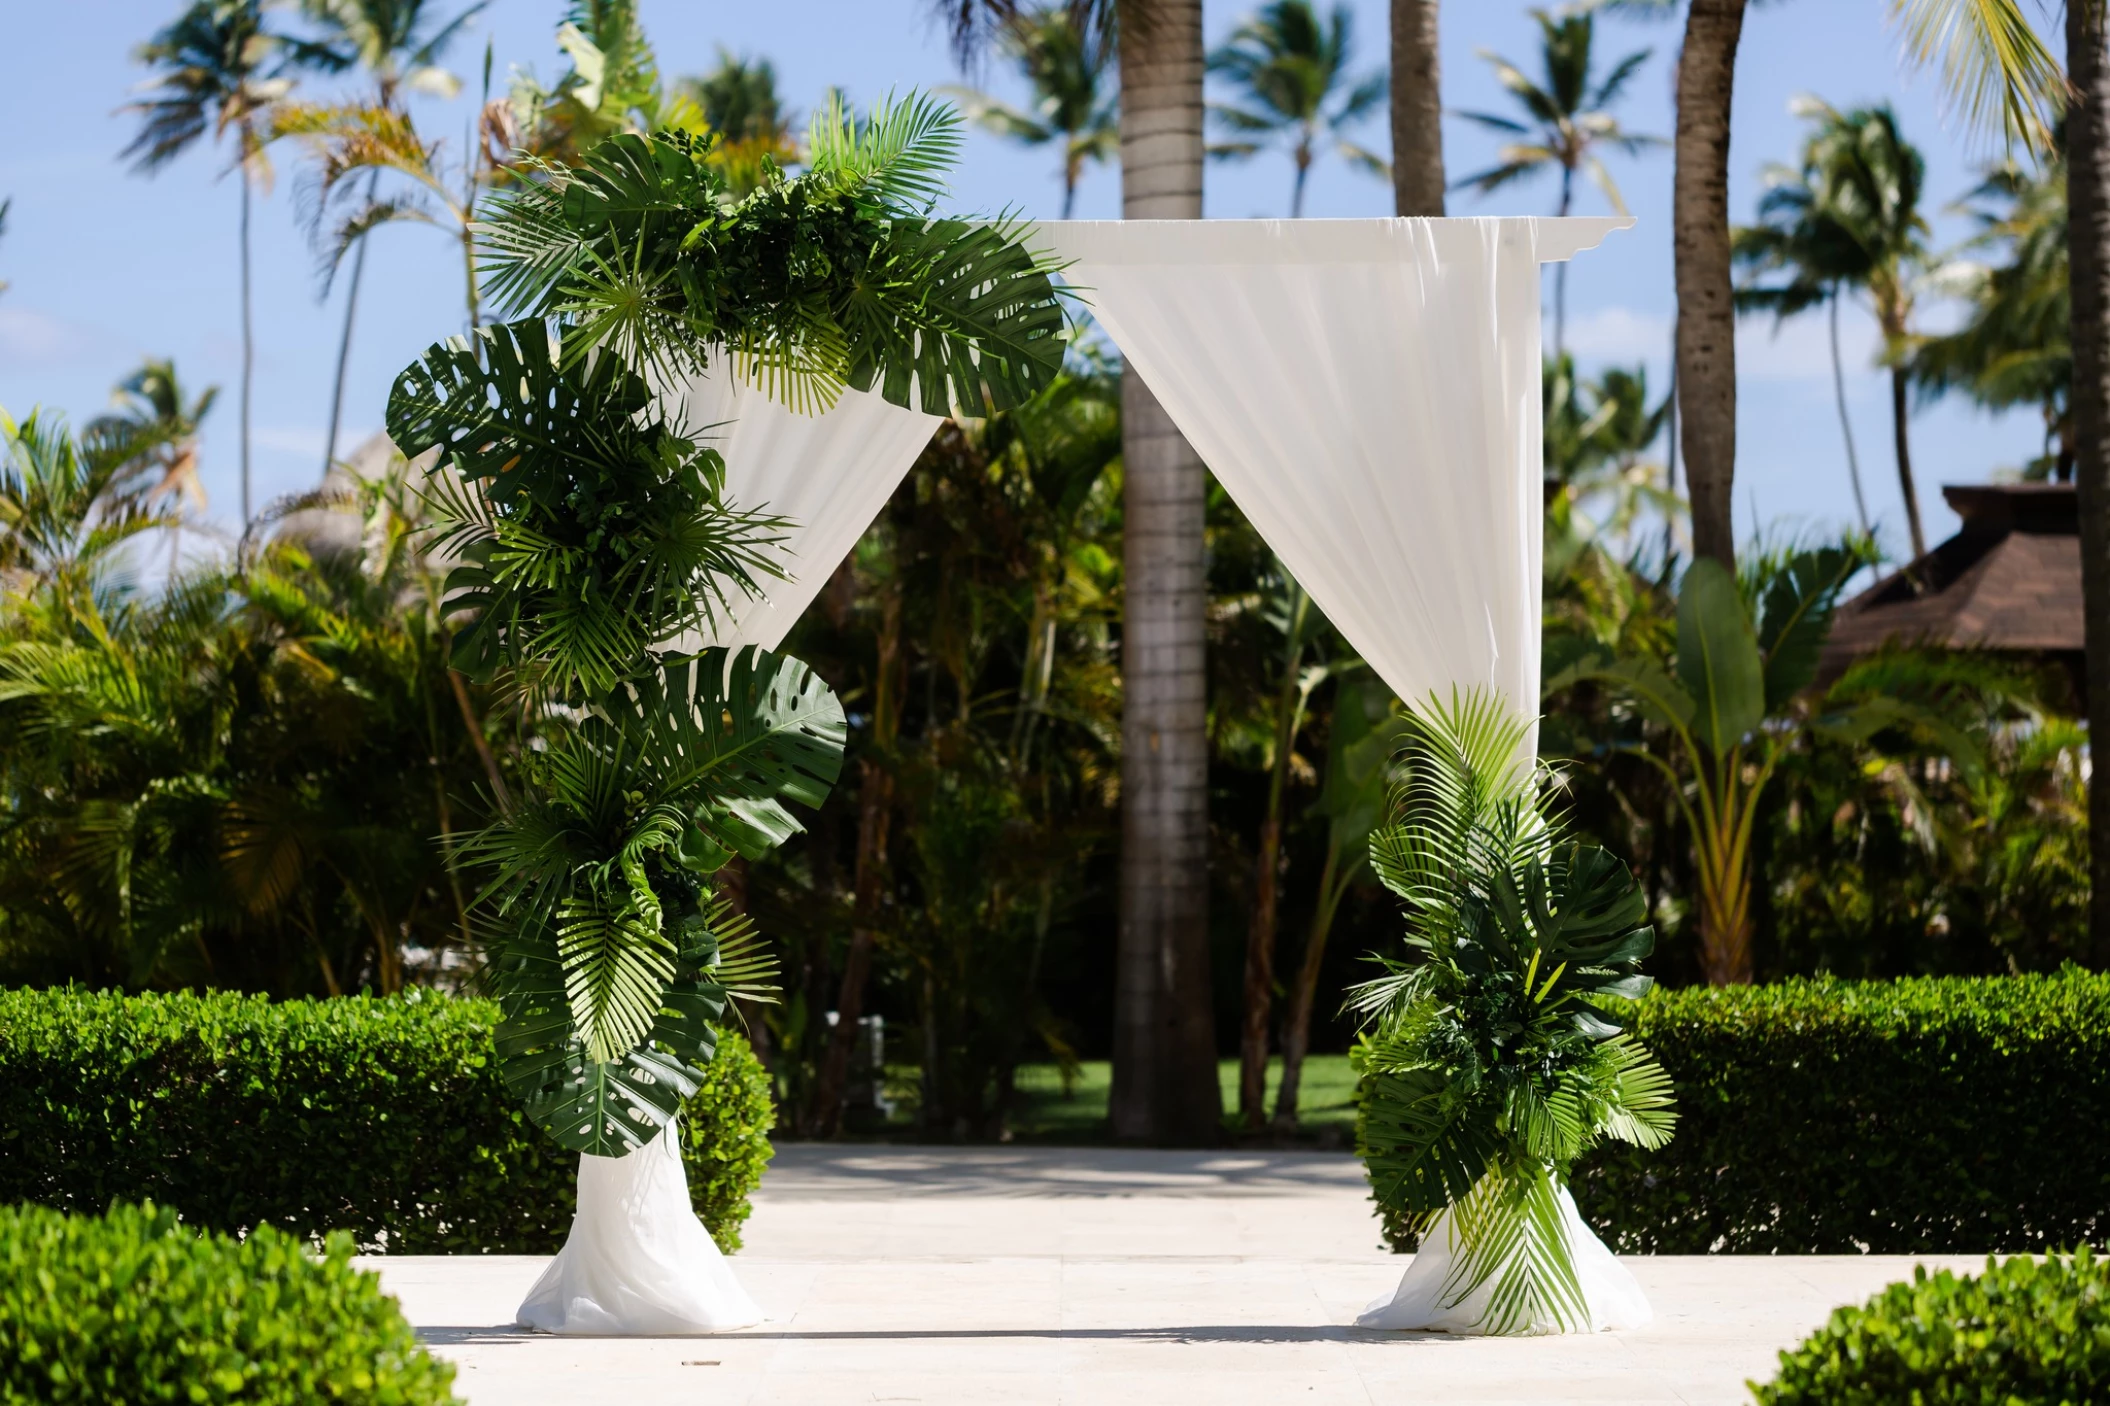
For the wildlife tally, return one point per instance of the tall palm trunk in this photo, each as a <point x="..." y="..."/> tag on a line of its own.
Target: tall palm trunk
<point x="344" y="339"/>
<point x="1560" y="270"/>
<point x="1899" y="422"/>
<point x="1417" y="110"/>
<point x="1846" y="424"/>
<point x="248" y="332"/>
<point x="2088" y="243"/>
<point x="1267" y="876"/>
<point x="1706" y="298"/>
<point x="1164" y="1081"/>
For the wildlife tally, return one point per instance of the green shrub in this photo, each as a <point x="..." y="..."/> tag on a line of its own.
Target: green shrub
<point x="1954" y="1115"/>
<point x="2021" y="1334"/>
<point x="134" y="1307"/>
<point x="383" y="1118"/>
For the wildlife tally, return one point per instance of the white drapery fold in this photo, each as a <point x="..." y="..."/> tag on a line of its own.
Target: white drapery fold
<point x="829" y="474"/>
<point x="1368" y="392"/>
<point x="638" y="1262"/>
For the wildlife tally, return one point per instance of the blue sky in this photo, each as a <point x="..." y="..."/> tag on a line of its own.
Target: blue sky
<point x="106" y="267"/>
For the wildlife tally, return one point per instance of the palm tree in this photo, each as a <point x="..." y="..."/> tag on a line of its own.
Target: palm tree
<point x="2088" y="204"/>
<point x="1992" y="66"/>
<point x="153" y="432"/>
<point x="395" y="44"/>
<point x="2015" y="346"/>
<point x="1848" y="219"/>
<point x="1066" y="65"/>
<point x="370" y="139"/>
<point x="219" y="70"/>
<point x="66" y="506"/>
<point x="738" y="101"/>
<point x="1417" y="110"/>
<point x="1164" y="1085"/>
<point x="1567" y="122"/>
<point x="1289" y="70"/>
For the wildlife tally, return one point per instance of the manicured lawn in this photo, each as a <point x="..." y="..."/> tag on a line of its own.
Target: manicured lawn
<point x="1325" y="1106"/>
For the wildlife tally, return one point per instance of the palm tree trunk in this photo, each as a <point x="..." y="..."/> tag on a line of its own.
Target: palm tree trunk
<point x="1560" y="271"/>
<point x="248" y="337"/>
<point x="1267" y="889"/>
<point x="1899" y="419"/>
<point x="1417" y="110"/>
<point x="1846" y="424"/>
<point x="1296" y="193"/>
<point x="1164" y="1080"/>
<point x="2088" y="244"/>
<point x="344" y="340"/>
<point x="1670" y="460"/>
<point x="1296" y="1030"/>
<point x="1706" y="300"/>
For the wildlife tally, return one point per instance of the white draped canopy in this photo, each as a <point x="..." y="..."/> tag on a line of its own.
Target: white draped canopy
<point x="1366" y="390"/>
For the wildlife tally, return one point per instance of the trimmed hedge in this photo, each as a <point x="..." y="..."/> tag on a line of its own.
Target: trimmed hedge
<point x="1955" y="1115"/>
<point x="384" y="1118"/>
<point x="134" y="1307"/>
<point x="2021" y="1334"/>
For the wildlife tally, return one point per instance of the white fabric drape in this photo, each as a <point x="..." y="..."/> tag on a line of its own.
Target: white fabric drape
<point x="638" y="1263"/>
<point x="830" y="474"/>
<point x="1368" y="392"/>
<point x="1610" y="1294"/>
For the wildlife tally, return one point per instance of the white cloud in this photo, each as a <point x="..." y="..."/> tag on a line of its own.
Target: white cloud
<point x="1801" y="348"/>
<point x="293" y="439"/>
<point x="1618" y="334"/>
<point x="35" y="340"/>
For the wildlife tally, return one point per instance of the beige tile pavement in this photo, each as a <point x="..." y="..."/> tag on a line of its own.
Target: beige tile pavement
<point x="1098" y="1277"/>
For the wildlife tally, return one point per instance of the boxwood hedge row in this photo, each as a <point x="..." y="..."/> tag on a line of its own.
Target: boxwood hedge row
<point x="135" y="1307"/>
<point x="1951" y="1115"/>
<point x="384" y="1118"/>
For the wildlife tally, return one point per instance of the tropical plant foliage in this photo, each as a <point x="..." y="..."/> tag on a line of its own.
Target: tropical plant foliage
<point x="591" y="531"/>
<point x="1498" y="1054"/>
<point x="837" y="277"/>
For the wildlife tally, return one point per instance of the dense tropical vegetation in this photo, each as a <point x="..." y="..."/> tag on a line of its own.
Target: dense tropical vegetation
<point x="259" y="764"/>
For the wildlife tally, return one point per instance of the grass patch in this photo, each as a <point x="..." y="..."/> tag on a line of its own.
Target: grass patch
<point x="1046" y="1113"/>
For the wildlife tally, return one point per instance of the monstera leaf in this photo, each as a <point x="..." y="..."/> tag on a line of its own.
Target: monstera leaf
<point x="504" y="408"/>
<point x="748" y="725"/>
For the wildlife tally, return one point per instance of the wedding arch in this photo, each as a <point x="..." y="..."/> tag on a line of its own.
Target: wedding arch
<point x="731" y="393"/>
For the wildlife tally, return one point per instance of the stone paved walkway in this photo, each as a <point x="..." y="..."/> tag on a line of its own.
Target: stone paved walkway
<point x="1102" y="1277"/>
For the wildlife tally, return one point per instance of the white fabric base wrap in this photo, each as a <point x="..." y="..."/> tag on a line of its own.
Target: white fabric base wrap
<point x="638" y="1263"/>
<point x="1614" y="1300"/>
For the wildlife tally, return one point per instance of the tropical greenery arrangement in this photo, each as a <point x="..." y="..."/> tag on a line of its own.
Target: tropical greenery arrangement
<point x="592" y="531"/>
<point x="1498" y="1053"/>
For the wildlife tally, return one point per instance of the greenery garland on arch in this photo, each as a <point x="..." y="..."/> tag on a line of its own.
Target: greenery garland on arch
<point x="592" y="532"/>
<point x="1498" y="1054"/>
